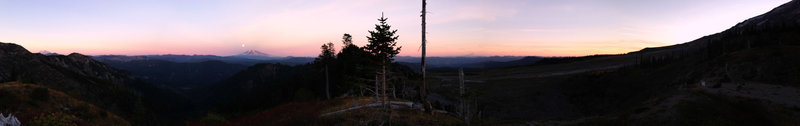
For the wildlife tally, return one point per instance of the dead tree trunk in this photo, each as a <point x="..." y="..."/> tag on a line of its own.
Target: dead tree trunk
<point x="462" y="92"/>
<point x="422" y="89"/>
<point x="327" y="83"/>
<point x="376" y="89"/>
<point x="394" y="91"/>
<point x="461" y="104"/>
<point x="383" y="80"/>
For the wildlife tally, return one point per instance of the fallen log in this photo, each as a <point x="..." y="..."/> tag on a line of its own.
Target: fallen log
<point x="393" y="104"/>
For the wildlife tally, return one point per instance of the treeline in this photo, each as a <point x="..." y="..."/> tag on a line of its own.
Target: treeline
<point x="754" y="36"/>
<point x="364" y="70"/>
<point x="352" y="71"/>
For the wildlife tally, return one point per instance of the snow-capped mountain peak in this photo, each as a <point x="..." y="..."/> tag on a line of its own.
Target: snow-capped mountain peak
<point x="48" y="53"/>
<point x="253" y="53"/>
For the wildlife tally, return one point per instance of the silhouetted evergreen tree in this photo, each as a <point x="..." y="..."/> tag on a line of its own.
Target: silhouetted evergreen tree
<point x="356" y="69"/>
<point x="382" y="46"/>
<point x="347" y="40"/>
<point x="327" y="55"/>
<point x="326" y="58"/>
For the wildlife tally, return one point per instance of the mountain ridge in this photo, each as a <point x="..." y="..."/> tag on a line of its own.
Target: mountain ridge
<point x="82" y="77"/>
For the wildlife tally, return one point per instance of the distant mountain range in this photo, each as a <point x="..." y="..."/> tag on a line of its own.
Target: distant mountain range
<point x="451" y="63"/>
<point x="252" y="57"/>
<point x="176" y="75"/>
<point x="183" y="72"/>
<point x="456" y="61"/>
<point x="235" y="59"/>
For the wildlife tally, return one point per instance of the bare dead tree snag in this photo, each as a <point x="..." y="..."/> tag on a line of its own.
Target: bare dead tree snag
<point x="422" y="89"/>
<point x="383" y="80"/>
<point x="327" y="83"/>
<point x="376" y="89"/>
<point x="464" y="99"/>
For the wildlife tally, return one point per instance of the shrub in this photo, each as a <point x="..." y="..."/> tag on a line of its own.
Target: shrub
<point x="41" y="94"/>
<point x="213" y="118"/>
<point x="303" y="94"/>
<point x="7" y="99"/>
<point x="55" y="119"/>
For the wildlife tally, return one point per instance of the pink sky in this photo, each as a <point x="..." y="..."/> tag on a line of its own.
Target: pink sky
<point x="298" y="28"/>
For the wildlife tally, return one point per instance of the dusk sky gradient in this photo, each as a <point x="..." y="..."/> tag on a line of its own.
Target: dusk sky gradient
<point x="299" y="27"/>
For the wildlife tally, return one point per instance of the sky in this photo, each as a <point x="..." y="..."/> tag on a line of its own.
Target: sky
<point x="300" y="27"/>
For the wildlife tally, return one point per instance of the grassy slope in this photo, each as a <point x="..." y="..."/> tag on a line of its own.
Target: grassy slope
<point x="683" y="101"/>
<point x="20" y="100"/>
<point x="523" y="94"/>
<point x="307" y="113"/>
<point x="695" y="107"/>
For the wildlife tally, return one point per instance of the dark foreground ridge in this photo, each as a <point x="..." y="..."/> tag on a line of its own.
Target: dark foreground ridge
<point x="82" y="77"/>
